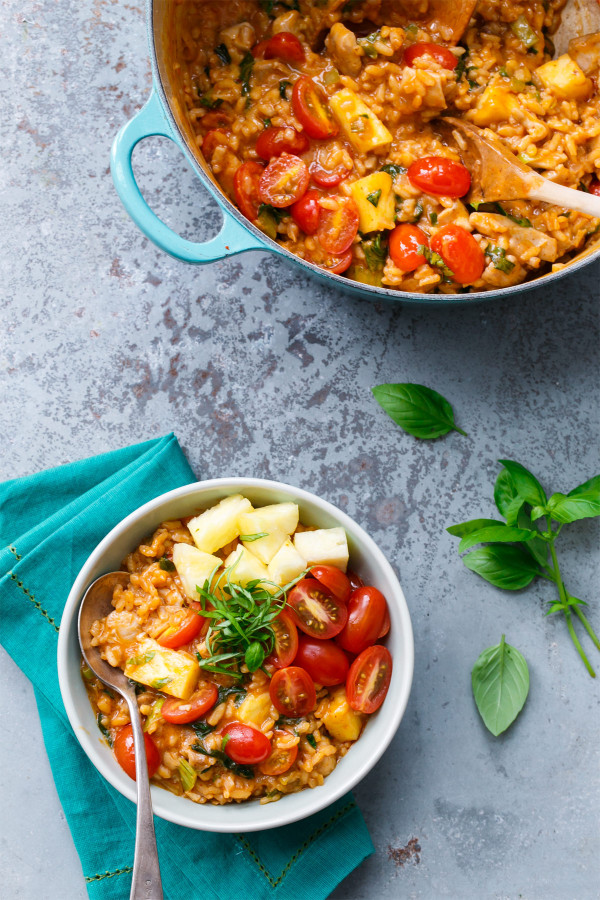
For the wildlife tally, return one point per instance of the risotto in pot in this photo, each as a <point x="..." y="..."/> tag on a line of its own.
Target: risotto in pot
<point x="318" y="118"/>
<point x="255" y="654"/>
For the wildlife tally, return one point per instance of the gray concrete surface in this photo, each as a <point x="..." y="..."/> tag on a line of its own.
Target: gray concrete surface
<point x="106" y="341"/>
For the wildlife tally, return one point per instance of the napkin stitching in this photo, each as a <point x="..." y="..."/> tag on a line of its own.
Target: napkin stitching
<point x="274" y="882"/>
<point x="35" y="602"/>
<point x="13" y="550"/>
<point x="99" y="877"/>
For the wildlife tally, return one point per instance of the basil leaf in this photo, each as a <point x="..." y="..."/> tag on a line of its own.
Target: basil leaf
<point x="503" y="565"/>
<point x="537" y="546"/>
<point x="187" y="774"/>
<point x="394" y="170"/>
<point x="464" y="528"/>
<point x="202" y="728"/>
<point x="502" y="533"/>
<point x="283" y="86"/>
<point x="312" y="741"/>
<point x="417" y="409"/>
<point x="254" y="656"/>
<point x="582" y="502"/>
<point x="223" y="54"/>
<point x="166" y="565"/>
<point x="248" y="538"/>
<point x="105" y="732"/>
<point x="507" y="498"/>
<point x="526" y="484"/>
<point x="235" y="691"/>
<point x="500" y="682"/>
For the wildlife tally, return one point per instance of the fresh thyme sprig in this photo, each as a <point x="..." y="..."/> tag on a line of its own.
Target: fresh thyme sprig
<point x="241" y="629"/>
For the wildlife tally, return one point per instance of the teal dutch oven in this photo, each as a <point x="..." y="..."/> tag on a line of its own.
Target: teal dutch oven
<point x="159" y="118"/>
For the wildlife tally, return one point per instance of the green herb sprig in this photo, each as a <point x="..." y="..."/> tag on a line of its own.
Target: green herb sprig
<point x="518" y="550"/>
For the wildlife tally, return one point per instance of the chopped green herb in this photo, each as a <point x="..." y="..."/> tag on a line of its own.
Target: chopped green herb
<point x="105" y="732"/>
<point x="223" y="54"/>
<point x="461" y="65"/>
<point x="367" y="43"/>
<point x="187" y="774"/>
<point x="312" y="741"/>
<point x="524" y="32"/>
<point x="434" y="259"/>
<point x="140" y="660"/>
<point x="160" y="683"/>
<point x="246" y="67"/>
<point x="235" y="690"/>
<point x="236" y="768"/>
<point x="498" y="257"/>
<point x="209" y="102"/>
<point x="202" y="728"/>
<point x="138" y="688"/>
<point x="87" y="673"/>
<point x="433" y="218"/>
<point x="225" y="741"/>
<point x="261" y="534"/>
<point x="518" y="220"/>
<point x="374" y="198"/>
<point x="412" y="28"/>
<point x="419" y="210"/>
<point x="267" y="122"/>
<point x="154" y="716"/>
<point x="375" y="250"/>
<point x="394" y="170"/>
<point x="283" y="86"/>
<point x="472" y="84"/>
<point x="167" y="565"/>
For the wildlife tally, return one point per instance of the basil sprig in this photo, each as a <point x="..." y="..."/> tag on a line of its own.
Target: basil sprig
<point x="521" y="549"/>
<point x="500" y="682"/>
<point x="417" y="409"/>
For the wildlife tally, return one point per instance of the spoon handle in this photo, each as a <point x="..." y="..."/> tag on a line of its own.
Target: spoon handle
<point x="146" y="882"/>
<point x="559" y="195"/>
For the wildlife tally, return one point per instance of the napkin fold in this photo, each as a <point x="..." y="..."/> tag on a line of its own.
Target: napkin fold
<point x="49" y="524"/>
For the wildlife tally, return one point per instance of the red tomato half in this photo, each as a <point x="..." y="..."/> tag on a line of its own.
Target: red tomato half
<point x="387" y="624"/>
<point x="189" y="628"/>
<point x="327" y="178"/>
<point x="281" y="758"/>
<point x="405" y="241"/>
<point x="125" y="753"/>
<point x="310" y="109"/>
<point x="366" y="616"/>
<point x="324" y="661"/>
<point x="440" y="176"/>
<point x="245" y="185"/>
<point x="284" y="181"/>
<point x="275" y="141"/>
<point x="333" y="580"/>
<point x="594" y="187"/>
<point x="337" y="264"/>
<point x="369" y="679"/>
<point x="244" y="744"/>
<point x="442" y="55"/>
<point x="338" y="227"/>
<point x="460" y="251"/>
<point x="355" y="580"/>
<point x="292" y="692"/>
<point x="283" y="45"/>
<point x="315" y="611"/>
<point x="306" y="212"/>
<point x="180" y="712"/>
<point x="286" y="640"/>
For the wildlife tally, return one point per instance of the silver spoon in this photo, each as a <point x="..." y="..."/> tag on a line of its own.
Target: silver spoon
<point x="96" y="604"/>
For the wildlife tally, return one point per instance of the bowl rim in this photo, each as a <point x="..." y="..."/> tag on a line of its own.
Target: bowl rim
<point x="371" y="292"/>
<point x="272" y="815"/>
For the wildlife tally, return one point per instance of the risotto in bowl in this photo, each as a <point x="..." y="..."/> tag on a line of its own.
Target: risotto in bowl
<point x="270" y="646"/>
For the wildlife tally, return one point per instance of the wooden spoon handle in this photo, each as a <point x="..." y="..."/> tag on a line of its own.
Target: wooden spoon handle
<point x="559" y="195"/>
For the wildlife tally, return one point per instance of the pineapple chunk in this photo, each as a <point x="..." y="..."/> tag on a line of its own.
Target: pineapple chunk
<point x="340" y="720"/>
<point x="360" y="126"/>
<point x="327" y="546"/>
<point x="218" y="525"/>
<point x="496" y="104"/>
<point x="286" y="565"/>
<point x="247" y="568"/>
<point x="276" y="517"/>
<point x="170" y="671"/>
<point x="255" y="709"/>
<point x="565" y="79"/>
<point x="193" y="567"/>
<point x="265" y="547"/>
<point x="374" y="197"/>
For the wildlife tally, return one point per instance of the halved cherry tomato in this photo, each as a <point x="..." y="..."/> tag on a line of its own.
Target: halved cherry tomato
<point x="283" y="45"/>
<point x="354" y="579"/>
<point x="460" y="251"/>
<point x="217" y="118"/>
<point x="326" y="178"/>
<point x="387" y="624"/>
<point x="245" y="185"/>
<point x="337" y="264"/>
<point x="440" y="176"/>
<point x="275" y="141"/>
<point x="286" y="640"/>
<point x="405" y="241"/>
<point x="338" y="227"/>
<point x="244" y="744"/>
<point x="369" y="679"/>
<point x="442" y="55"/>
<point x="315" y="611"/>
<point x="125" y="753"/>
<point x="310" y="109"/>
<point x="325" y="662"/>
<point x="284" y="181"/>
<point x="213" y="139"/>
<point x="188" y="629"/>
<point x="306" y="212"/>
<point x="281" y="758"/>
<point x="594" y="187"/>
<point x="366" y="615"/>
<point x="292" y="692"/>
<point x="180" y="712"/>
<point x="334" y="580"/>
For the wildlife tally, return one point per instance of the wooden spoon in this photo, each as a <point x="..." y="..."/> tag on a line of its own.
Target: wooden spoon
<point x="496" y="174"/>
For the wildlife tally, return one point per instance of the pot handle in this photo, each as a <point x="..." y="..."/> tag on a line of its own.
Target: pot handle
<point x="149" y="121"/>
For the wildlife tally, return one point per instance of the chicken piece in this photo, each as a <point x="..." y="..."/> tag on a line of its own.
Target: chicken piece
<point x="344" y="49"/>
<point x="524" y="243"/>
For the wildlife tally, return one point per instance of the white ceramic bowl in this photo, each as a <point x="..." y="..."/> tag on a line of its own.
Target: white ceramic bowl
<point x="366" y="559"/>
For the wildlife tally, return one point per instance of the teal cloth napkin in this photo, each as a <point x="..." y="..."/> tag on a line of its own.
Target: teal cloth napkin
<point x="49" y="524"/>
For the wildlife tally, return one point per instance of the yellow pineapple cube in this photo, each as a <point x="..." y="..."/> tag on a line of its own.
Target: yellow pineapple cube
<point x="255" y="709"/>
<point x="340" y="720"/>
<point x="286" y="565"/>
<point x="218" y="526"/>
<point x="193" y="567"/>
<point x="565" y="79"/>
<point x="327" y="546"/>
<point x="275" y="517"/>
<point x="170" y="671"/>
<point x="496" y="104"/>
<point x="360" y="126"/>
<point x="247" y="568"/>
<point x="374" y="197"/>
